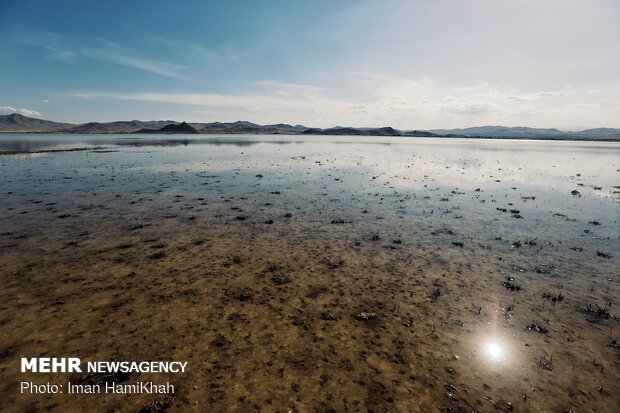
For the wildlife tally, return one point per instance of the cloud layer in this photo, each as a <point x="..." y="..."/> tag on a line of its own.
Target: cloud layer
<point x="7" y="110"/>
<point x="388" y="100"/>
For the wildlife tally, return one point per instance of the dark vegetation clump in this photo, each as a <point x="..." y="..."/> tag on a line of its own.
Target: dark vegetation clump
<point x="537" y="328"/>
<point x="555" y="298"/>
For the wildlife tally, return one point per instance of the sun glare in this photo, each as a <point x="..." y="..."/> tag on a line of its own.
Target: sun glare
<point x="494" y="350"/>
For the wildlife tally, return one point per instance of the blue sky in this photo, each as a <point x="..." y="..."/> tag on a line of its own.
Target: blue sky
<point x="409" y="64"/>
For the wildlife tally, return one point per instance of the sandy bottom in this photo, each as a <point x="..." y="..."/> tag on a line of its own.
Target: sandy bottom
<point x="308" y="286"/>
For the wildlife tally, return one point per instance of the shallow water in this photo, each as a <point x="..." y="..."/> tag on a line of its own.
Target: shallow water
<point x="253" y="257"/>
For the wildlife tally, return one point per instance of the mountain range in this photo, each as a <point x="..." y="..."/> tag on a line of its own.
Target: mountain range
<point x="16" y="123"/>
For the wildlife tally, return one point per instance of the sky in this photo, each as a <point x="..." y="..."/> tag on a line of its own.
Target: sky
<point x="410" y="64"/>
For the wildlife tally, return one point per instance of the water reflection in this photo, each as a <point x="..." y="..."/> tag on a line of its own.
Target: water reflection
<point x="34" y="142"/>
<point x="55" y="142"/>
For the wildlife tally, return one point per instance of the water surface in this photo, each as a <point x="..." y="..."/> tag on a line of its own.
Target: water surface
<point x="317" y="273"/>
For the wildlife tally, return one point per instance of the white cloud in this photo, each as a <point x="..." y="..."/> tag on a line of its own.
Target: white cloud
<point x="471" y="108"/>
<point x="7" y="110"/>
<point x="61" y="48"/>
<point x="50" y="42"/>
<point x="61" y="54"/>
<point x="153" y="66"/>
<point x="359" y="107"/>
<point x="273" y="95"/>
<point x="404" y="103"/>
<point x="286" y="88"/>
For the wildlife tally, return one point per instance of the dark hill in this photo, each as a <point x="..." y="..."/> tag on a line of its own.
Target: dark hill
<point x="349" y="131"/>
<point x="172" y="128"/>
<point x="242" y="127"/>
<point x="421" y="134"/>
<point x="231" y="128"/>
<point x="386" y="131"/>
<point x="120" y="126"/>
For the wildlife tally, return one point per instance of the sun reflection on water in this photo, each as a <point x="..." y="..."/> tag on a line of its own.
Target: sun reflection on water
<point x="494" y="351"/>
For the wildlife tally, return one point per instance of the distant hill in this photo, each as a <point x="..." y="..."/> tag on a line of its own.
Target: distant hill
<point x="333" y="131"/>
<point x="421" y="134"/>
<point x="128" y="126"/>
<point x="350" y="131"/>
<point x="243" y="127"/>
<point x="532" y="133"/>
<point x="502" y="131"/>
<point x="609" y="133"/>
<point x="182" y="128"/>
<point x="20" y="123"/>
<point x="386" y="131"/>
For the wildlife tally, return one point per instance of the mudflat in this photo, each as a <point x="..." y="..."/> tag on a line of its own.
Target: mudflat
<point x="317" y="274"/>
